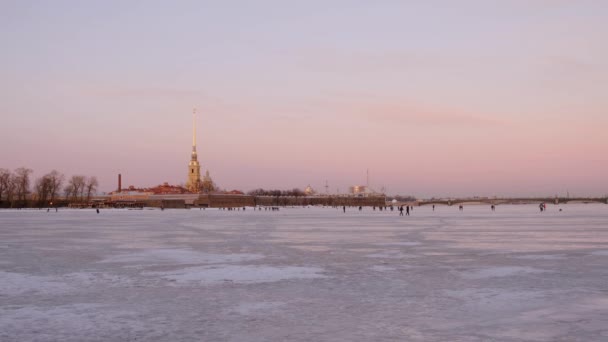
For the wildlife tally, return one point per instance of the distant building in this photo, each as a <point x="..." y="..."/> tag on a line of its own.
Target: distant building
<point x="309" y="191"/>
<point x="207" y="185"/>
<point x="194" y="168"/>
<point x="358" y="189"/>
<point x="194" y="183"/>
<point x="130" y="195"/>
<point x="166" y="189"/>
<point x="133" y="193"/>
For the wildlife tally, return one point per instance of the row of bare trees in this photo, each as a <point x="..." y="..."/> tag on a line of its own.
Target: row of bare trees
<point x="15" y="186"/>
<point x="16" y="190"/>
<point x="48" y="186"/>
<point x="81" y="188"/>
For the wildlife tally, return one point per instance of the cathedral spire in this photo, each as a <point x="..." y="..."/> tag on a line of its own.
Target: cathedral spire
<point x="194" y="168"/>
<point x="194" y="130"/>
<point x="194" y="156"/>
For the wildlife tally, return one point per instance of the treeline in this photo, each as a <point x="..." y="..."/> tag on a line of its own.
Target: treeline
<point x="295" y="192"/>
<point x="16" y="190"/>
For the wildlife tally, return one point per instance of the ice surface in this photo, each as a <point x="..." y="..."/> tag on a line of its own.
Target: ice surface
<point x="382" y="268"/>
<point x="259" y="308"/>
<point x="239" y="274"/>
<point x="177" y="256"/>
<point x="503" y="271"/>
<point x="403" y="243"/>
<point x="541" y="256"/>
<point x="305" y="274"/>
<point x="14" y="284"/>
<point x="391" y="255"/>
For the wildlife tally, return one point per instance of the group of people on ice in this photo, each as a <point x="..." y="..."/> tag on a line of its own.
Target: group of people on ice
<point x="407" y="210"/>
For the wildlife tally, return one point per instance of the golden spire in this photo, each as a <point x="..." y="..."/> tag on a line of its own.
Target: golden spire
<point x="194" y="129"/>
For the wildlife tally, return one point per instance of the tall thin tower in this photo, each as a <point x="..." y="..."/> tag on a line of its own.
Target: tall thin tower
<point x="194" y="168"/>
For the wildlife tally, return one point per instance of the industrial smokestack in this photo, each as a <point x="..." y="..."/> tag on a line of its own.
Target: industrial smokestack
<point x="119" y="183"/>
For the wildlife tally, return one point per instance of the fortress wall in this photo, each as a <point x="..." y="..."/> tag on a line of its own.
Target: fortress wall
<point x="229" y="201"/>
<point x="166" y="203"/>
<point x="232" y="201"/>
<point x="328" y="201"/>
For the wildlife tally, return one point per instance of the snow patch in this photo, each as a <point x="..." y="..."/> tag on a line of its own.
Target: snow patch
<point x="404" y="243"/>
<point x="238" y="274"/>
<point x="74" y="322"/>
<point x="493" y="300"/>
<point x="14" y="284"/>
<point x="502" y="271"/>
<point x="380" y="268"/>
<point x="179" y="256"/>
<point x="312" y="248"/>
<point x="391" y="255"/>
<point x="257" y="307"/>
<point x="541" y="257"/>
<point x="93" y="278"/>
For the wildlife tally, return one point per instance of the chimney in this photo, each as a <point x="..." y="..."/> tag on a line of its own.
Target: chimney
<point x="119" y="182"/>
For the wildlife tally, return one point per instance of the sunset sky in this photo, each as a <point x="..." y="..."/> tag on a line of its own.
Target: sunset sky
<point x="435" y="98"/>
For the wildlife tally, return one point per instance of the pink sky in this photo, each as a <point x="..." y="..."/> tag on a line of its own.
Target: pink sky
<point x="474" y="99"/>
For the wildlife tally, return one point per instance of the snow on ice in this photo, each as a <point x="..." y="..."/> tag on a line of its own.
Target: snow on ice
<point x="305" y="274"/>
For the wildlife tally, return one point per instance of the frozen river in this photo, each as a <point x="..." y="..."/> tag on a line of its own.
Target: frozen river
<point x="305" y="274"/>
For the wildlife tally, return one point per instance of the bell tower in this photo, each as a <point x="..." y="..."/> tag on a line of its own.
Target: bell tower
<point x="194" y="168"/>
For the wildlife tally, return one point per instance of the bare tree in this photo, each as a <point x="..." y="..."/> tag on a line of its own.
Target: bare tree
<point x="56" y="179"/>
<point x="42" y="187"/>
<point x="67" y="191"/>
<point x="5" y="177"/>
<point x="82" y="188"/>
<point x="75" y="189"/>
<point x="10" y="189"/>
<point x="46" y="187"/>
<point x="91" y="187"/>
<point x="22" y="184"/>
<point x="257" y="192"/>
